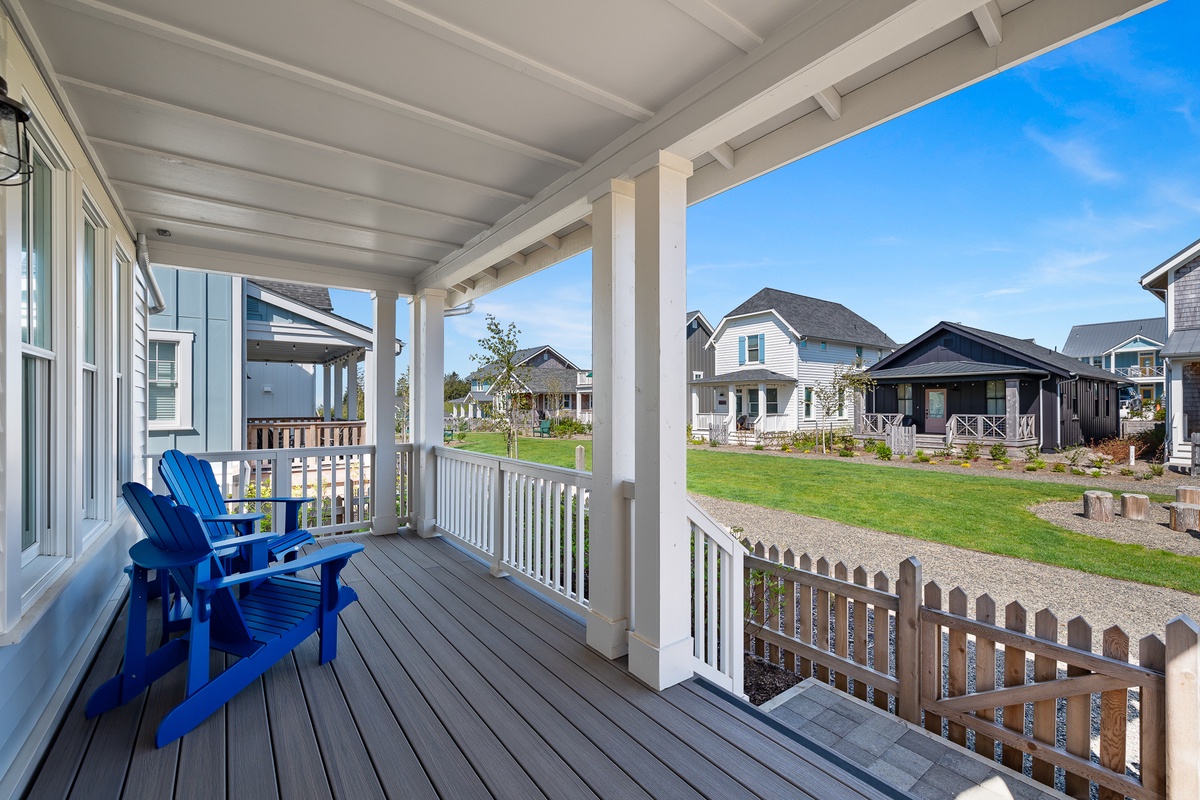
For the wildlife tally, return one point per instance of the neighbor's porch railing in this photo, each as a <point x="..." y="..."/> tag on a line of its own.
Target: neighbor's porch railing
<point x="717" y="600"/>
<point x="1020" y="693"/>
<point x="339" y="478"/>
<point x="529" y="520"/>
<point x="990" y="427"/>
<point x="1140" y="372"/>
<point x="270" y="433"/>
<point x="877" y="424"/>
<point x="772" y="423"/>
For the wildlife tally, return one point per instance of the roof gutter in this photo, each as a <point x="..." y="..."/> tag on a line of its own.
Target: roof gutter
<point x="157" y="303"/>
<point x="459" y="311"/>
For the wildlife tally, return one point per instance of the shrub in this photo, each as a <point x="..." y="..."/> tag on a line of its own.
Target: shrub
<point x="846" y="453"/>
<point x="1001" y="466"/>
<point x="785" y="449"/>
<point x="1074" y="455"/>
<point x="998" y="452"/>
<point x="965" y="464"/>
<point x="1032" y="453"/>
<point x="1059" y="468"/>
<point x="920" y="456"/>
<point x="759" y="447"/>
<point x="1157" y="470"/>
<point x="1160" y="415"/>
<point x="1096" y="473"/>
<point x="869" y="445"/>
<point x="1126" y="471"/>
<point x="569" y="426"/>
<point x="713" y="443"/>
<point x="971" y="451"/>
<point x="883" y="452"/>
<point x="1099" y="461"/>
<point x="1078" y="471"/>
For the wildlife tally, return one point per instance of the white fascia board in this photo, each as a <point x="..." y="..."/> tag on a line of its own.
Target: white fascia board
<point x="712" y="342"/>
<point x="315" y="315"/>
<point x="570" y="364"/>
<point x="1122" y="345"/>
<point x="170" y="254"/>
<point x="1153" y="280"/>
<point x="703" y="321"/>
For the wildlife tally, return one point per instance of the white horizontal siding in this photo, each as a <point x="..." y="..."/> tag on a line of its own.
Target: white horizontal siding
<point x="138" y="401"/>
<point x="781" y="350"/>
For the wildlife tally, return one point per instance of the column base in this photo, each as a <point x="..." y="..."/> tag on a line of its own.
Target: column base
<point x="424" y="527"/>
<point x="608" y="637"/>
<point x="385" y="526"/>
<point x="661" y="667"/>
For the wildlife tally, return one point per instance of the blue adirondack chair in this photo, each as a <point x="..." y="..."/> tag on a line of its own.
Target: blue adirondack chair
<point x="192" y="483"/>
<point x="270" y="615"/>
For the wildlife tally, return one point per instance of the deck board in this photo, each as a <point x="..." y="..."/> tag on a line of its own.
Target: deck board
<point x="448" y="683"/>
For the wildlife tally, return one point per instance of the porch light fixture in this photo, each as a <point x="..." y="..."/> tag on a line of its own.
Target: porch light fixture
<point x="15" y="165"/>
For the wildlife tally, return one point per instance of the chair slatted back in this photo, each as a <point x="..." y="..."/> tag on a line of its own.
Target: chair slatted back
<point x="174" y="528"/>
<point x="192" y="483"/>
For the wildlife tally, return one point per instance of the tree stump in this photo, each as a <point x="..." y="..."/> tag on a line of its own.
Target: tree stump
<point x="1135" y="506"/>
<point x="1185" y="517"/>
<point x="1098" y="506"/>
<point x="1188" y="494"/>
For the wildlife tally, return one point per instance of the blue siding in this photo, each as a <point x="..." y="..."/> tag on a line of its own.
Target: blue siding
<point x="202" y="303"/>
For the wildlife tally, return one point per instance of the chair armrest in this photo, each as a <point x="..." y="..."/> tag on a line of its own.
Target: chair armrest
<point x="234" y="542"/>
<point x="233" y="518"/>
<point x="335" y="552"/>
<point x="147" y="556"/>
<point x="269" y="499"/>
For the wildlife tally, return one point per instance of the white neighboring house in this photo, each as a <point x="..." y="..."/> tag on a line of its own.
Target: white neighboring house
<point x="772" y="352"/>
<point x="1176" y="282"/>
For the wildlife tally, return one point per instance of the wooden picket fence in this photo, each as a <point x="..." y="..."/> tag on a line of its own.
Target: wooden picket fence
<point x="896" y="646"/>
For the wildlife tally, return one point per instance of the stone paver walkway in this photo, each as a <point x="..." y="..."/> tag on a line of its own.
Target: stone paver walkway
<point x="898" y="752"/>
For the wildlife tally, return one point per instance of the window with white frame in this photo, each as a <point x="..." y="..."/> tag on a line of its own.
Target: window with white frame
<point x="995" y="398"/>
<point x="169" y="377"/>
<point x="89" y="386"/>
<point x="808" y="402"/>
<point x="753" y="349"/>
<point x="772" y="400"/>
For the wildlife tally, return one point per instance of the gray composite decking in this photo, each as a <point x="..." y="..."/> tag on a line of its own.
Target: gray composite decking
<point x="448" y="683"/>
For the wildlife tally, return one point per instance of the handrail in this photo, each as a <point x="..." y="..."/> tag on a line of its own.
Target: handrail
<point x="717" y="600"/>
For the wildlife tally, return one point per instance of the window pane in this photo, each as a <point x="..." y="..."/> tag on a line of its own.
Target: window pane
<point x="35" y="449"/>
<point x="89" y="443"/>
<point x="162" y="402"/>
<point x="36" y="256"/>
<point x="89" y="292"/>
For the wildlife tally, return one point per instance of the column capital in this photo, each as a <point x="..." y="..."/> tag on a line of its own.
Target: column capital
<point x="384" y="294"/>
<point x="614" y="186"/>
<point x="430" y="292"/>
<point x="662" y="158"/>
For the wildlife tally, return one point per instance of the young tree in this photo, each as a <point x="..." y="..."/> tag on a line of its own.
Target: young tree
<point x="403" y="404"/>
<point x="455" y="387"/>
<point x="498" y="363"/>
<point x="848" y="384"/>
<point x="555" y="392"/>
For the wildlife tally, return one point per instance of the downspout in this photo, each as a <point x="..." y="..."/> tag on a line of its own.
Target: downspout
<point x="1058" y="437"/>
<point x="157" y="303"/>
<point x="1042" y="412"/>
<point x="459" y="311"/>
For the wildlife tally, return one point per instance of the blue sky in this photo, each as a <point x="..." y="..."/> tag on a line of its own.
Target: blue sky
<point x="1025" y="204"/>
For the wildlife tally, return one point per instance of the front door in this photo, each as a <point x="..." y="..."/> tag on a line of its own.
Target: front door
<point x="935" y="410"/>
<point x="1146" y="362"/>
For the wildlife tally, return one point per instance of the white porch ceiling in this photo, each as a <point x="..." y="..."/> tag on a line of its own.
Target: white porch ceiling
<point x="412" y="143"/>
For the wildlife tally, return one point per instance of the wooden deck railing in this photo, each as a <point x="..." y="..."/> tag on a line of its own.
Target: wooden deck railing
<point x="278" y="433"/>
<point x="898" y="648"/>
<point x="529" y="520"/>
<point x="717" y="600"/>
<point x="989" y="427"/>
<point x="877" y="424"/>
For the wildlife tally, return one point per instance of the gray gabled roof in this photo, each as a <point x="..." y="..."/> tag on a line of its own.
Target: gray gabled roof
<point x="744" y="376"/>
<point x="314" y="296"/>
<point x="520" y="357"/>
<point x="951" y="369"/>
<point x="1100" y="337"/>
<point x="815" y="318"/>
<point x="1182" y="343"/>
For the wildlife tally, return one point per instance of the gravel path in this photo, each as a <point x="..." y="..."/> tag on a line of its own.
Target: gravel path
<point x="1154" y="532"/>
<point x="1138" y="609"/>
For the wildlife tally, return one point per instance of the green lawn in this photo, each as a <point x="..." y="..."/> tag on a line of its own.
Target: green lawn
<point x="555" y="452"/>
<point x="978" y="513"/>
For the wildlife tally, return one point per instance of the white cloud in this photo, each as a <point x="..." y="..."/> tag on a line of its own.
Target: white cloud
<point x="1075" y="154"/>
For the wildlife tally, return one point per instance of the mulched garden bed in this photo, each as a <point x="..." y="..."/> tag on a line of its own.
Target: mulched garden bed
<point x="763" y="680"/>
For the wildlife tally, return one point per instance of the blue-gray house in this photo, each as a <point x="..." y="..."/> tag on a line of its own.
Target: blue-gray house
<point x="1130" y="349"/>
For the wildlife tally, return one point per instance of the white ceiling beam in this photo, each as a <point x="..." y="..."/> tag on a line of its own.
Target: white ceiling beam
<point x="267" y="133"/>
<point x="553" y="242"/>
<point x="572" y="244"/>
<point x="270" y="212"/>
<point x="719" y="23"/>
<point x="281" y="69"/>
<point x="724" y="155"/>
<point x="490" y="272"/>
<point x="990" y="24"/>
<point x="167" y="157"/>
<point x="472" y="42"/>
<point x="1030" y="30"/>
<point x="174" y="254"/>
<point x="831" y="101"/>
<point x="518" y="259"/>
<point x="256" y="233"/>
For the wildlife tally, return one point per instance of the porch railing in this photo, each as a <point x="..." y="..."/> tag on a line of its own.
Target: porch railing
<point x="877" y="424"/>
<point x="923" y="655"/>
<point x="340" y="478"/>
<point x="530" y="521"/>
<point x="717" y="590"/>
<point x="1140" y="372"/>
<point x="990" y="427"/>
<point x="271" y="433"/>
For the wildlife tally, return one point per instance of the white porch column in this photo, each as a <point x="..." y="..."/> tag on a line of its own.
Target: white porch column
<point x="730" y="407"/>
<point x="352" y="387"/>
<point x="762" y="401"/>
<point x="612" y="416"/>
<point x="660" y="646"/>
<point x="339" y="365"/>
<point x="384" y="519"/>
<point x="428" y="374"/>
<point x="327" y="388"/>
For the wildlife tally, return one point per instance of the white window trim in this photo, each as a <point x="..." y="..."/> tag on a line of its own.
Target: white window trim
<point x="184" y="341"/>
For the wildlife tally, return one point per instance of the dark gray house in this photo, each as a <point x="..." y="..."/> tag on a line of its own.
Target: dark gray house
<point x="555" y="386"/>
<point x="701" y="359"/>
<point x="955" y="383"/>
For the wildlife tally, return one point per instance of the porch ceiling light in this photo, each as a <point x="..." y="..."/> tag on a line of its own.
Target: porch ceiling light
<point x="15" y="166"/>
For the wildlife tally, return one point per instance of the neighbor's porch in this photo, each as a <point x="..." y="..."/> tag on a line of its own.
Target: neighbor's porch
<point x="755" y="402"/>
<point x="448" y="683"/>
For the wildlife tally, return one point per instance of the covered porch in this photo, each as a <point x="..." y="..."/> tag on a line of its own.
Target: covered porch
<point x="754" y="402"/>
